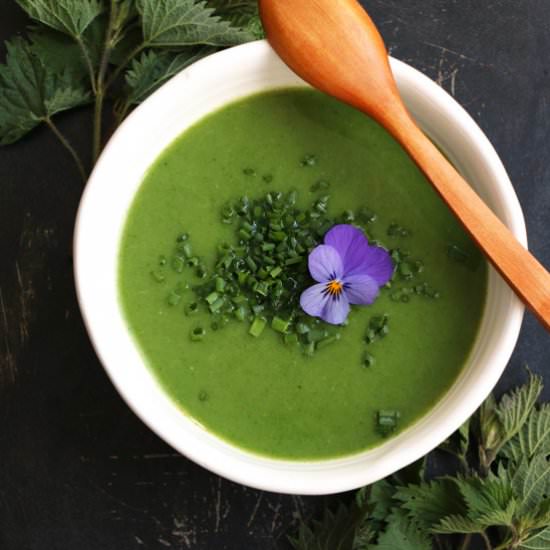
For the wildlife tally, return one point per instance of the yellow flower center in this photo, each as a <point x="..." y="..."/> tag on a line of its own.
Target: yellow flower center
<point x="334" y="288"/>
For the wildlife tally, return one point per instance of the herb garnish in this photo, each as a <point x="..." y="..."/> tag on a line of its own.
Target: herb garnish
<point x="260" y="276"/>
<point x="499" y="496"/>
<point x="119" y="51"/>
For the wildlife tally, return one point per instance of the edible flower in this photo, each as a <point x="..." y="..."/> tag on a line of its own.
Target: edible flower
<point x="348" y="271"/>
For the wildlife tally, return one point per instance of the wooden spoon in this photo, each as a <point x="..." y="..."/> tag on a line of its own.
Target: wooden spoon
<point x="335" y="46"/>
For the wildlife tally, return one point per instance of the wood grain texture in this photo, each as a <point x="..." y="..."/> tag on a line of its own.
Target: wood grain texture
<point x="335" y="46"/>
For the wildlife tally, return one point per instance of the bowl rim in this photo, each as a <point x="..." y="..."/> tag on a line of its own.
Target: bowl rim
<point x="281" y="475"/>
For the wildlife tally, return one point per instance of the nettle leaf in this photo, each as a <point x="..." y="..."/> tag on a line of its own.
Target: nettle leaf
<point x="404" y="534"/>
<point x="533" y="438"/>
<point x="58" y="52"/>
<point x="337" y="530"/>
<point x="175" y="23"/>
<point x="539" y="541"/>
<point x="240" y="13"/>
<point x="71" y="17"/>
<point x="490" y="427"/>
<point x="31" y="93"/>
<point x="152" y="69"/>
<point x="381" y="499"/>
<point x="514" y="408"/>
<point x="125" y="11"/>
<point x="454" y="524"/>
<point x="428" y="503"/>
<point x="489" y="501"/>
<point x="531" y="482"/>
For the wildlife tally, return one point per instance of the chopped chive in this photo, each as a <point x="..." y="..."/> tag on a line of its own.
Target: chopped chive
<point x="251" y="263"/>
<point x="280" y="325"/>
<point x="203" y="396"/>
<point x="328" y="341"/>
<point x="302" y="328"/>
<point x="173" y="299"/>
<point x="386" y="421"/>
<point x="178" y="264"/>
<point x="158" y="276"/>
<point x="187" y="250"/>
<point x="240" y="313"/>
<point x="217" y="305"/>
<point x="193" y="262"/>
<point x="291" y="339"/>
<point x="309" y="349"/>
<point x="198" y="334"/>
<point x="162" y="261"/>
<point x="192" y="308"/>
<point x="368" y="360"/>
<point x="212" y="297"/>
<point x="257" y="327"/>
<point x="220" y="285"/>
<point x="316" y="335"/>
<point x="276" y="271"/>
<point x="320" y="185"/>
<point x="183" y="237"/>
<point x="309" y="160"/>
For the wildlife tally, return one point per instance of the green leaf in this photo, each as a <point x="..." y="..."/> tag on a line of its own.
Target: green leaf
<point x="238" y="12"/>
<point x="58" y="52"/>
<point x="454" y="524"/>
<point x="490" y="428"/>
<point x="71" y="17"/>
<point x="538" y="541"/>
<point x="428" y="503"/>
<point x="514" y="408"/>
<point x="175" y="23"/>
<point x="31" y="93"/>
<point x="336" y="531"/>
<point x="534" y="436"/>
<point x="402" y="533"/>
<point x="152" y="69"/>
<point x="381" y="499"/>
<point x="531" y="482"/>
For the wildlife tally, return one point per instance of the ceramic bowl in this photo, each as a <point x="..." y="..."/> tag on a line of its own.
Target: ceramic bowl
<point x="185" y="99"/>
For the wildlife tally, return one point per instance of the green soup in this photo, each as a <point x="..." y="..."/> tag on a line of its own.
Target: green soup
<point x="256" y="392"/>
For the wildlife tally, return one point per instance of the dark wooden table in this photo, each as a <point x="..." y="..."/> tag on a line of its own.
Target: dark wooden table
<point x="78" y="471"/>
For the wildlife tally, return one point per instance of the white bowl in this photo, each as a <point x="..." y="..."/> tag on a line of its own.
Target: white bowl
<point x="189" y="96"/>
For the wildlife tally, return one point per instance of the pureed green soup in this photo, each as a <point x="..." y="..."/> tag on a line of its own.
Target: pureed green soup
<point x="260" y="393"/>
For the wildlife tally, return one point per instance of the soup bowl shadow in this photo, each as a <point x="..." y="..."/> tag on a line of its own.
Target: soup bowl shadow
<point x="185" y="99"/>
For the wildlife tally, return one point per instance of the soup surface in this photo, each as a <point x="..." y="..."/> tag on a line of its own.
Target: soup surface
<point x="256" y="392"/>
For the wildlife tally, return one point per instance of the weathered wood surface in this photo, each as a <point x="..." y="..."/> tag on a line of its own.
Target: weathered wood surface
<point x="77" y="469"/>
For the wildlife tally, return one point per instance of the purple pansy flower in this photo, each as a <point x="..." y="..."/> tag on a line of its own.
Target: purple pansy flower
<point x="348" y="271"/>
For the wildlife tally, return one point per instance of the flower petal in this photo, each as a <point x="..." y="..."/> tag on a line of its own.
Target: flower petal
<point x="336" y="310"/>
<point x="325" y="264"/>
<point x="314" y="299"/>
<point x="376" y="263"/>
<point x="361" y="289"/>
<point x="350" y="242"/>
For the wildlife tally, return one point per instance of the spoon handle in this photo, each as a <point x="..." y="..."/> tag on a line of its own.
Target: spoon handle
<point x="523" y="272"/>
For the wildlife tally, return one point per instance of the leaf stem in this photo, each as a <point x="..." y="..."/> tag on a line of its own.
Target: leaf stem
<point x="67" y="146"/>
<point x="100" y="87"/>
<point x="466" y="542"/>
<point x="88" y="61"/>
<point x="486" y="540"/>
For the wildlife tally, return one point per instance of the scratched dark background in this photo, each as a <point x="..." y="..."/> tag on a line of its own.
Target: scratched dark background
<point x="77" y="469"/>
